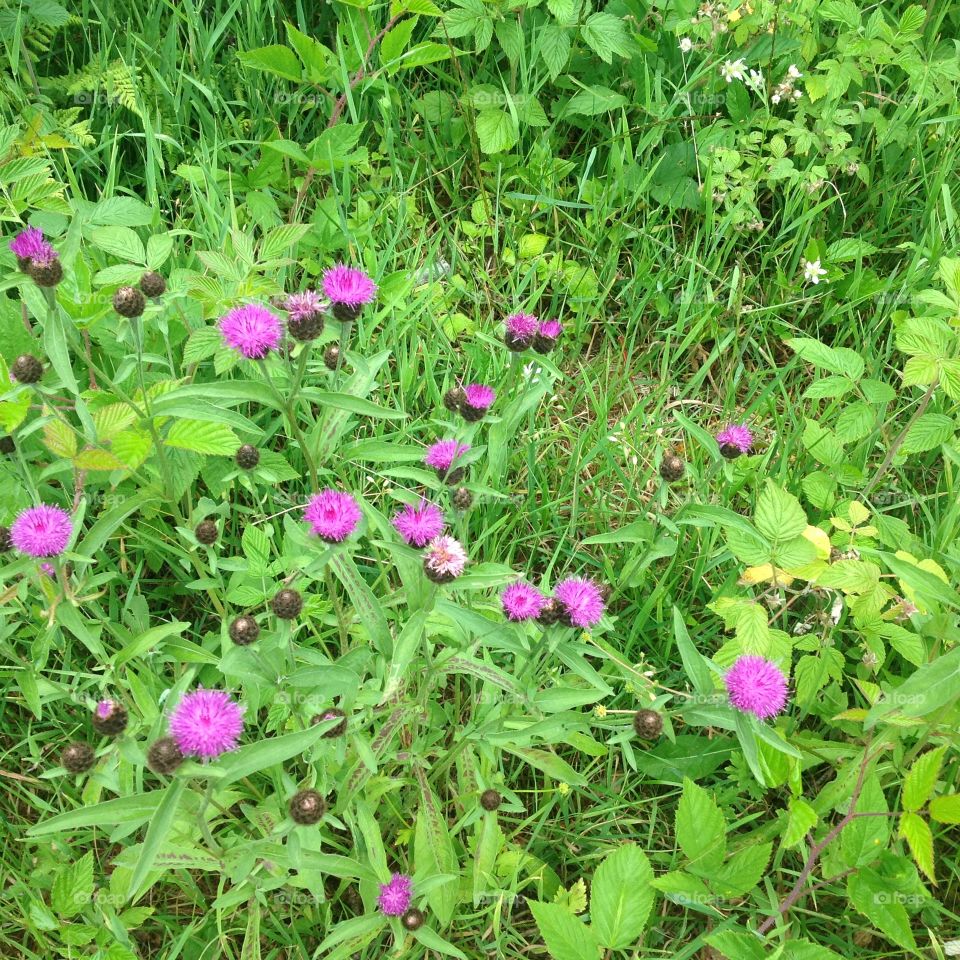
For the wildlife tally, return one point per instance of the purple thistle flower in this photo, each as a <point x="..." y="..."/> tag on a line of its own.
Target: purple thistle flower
<point x="551" y="329"/>
<point x="396" y="896"/>
<point x="443" y="453"/>
<point x="29" y="245"/>
<point x="521" y="328"/>
<point x="347" y="285"/>
<point x="42" y="531"/>
<point x="252" y="330"/>
<point x="104" y="709"/>
<point x="419" y="524"/>
<point x="206" y="723"/>
<point x="444" y="559"/>
<point x="302" y="306"/>
<point x="756" y="686"/>
<point x="522" y="601"/>
<point x="477" y="400"/>
<point x="581" y="601"/>
<point x="332" y="515"/>
<point x="735" y="440"/>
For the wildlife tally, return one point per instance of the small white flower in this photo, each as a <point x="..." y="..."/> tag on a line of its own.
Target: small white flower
<point x="775" y="98"/>
<point x="733" y="70"/>
<point x="793" y="73"/>
<point x="797" y="94"/>
<point x="951" y="948"/>
<point x="686" y="44"/>
<point x="812" y="271"/>
<point x="756" y="80"/>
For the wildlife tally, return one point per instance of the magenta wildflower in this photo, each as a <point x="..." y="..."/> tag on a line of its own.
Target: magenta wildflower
<point x="29" y="246"/>
<point x="547" y="335"/>
<point x="419" y="524"/>
<point x="522" y="601"/>
<point x="396" y="896"/>
<point x="348" y="289"/>
<point x="48" y="569"/>
<point x="332" y="515"/>
<point x="581" y="602"/>
<point x="477" y="400"/>
<point x="521" y="328"/>
<point x="444" y="559"/>
<point x="735" y="440"/>
<point x="42" y="531"/>
<point x="206" y="723"/>
<point x="756" y="686"/>
<point x="104" y="709"/>
<point x="251" y="330"/>
<point x="305" y="304"/>
<point x="442" y="455"/>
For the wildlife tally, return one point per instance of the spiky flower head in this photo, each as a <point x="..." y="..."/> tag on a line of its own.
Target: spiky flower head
<point x="42" y="531"/>
<point x="307" y="807"/>
<point x="332" y="515"/>
<point x="444" y="559"/>
<point x="647" y="724"/>
<point x="442" y="456"/>
<point x="206" y="723"/>
<point x="671" y="468"/>
<point x="78" y="758"/>
<point x="522" y="601"/>
<point x="735" y="440"/>
<point x="252" y="330"/>
<point x="109" y="718"/>
<point x="26" y="369"/>
<point x="581" y="602"/>
<point x="129" y="302"/>
<point x="305" y="312"/>
<point x="244" y="631"/>
<point x="207" y="532"/>
<point x="547" y="335"/>
<point x="247" y="456"/>
<point x="338" y="729"/>
<point x="419" y="524"/>
<point x="520" y="330"/>
<point x="462" y="499"/>
<point x="477" y="400"/>
<point x="29" y="246"/>
<point x="331" y="357"/>
<point x="164" y="756"/>
<point x="756" y="686"/>
<point x="347" y="289"/>
<point x="286" y="603"/>
<point x="152" y="284"/>
<point x="396" y="896"/>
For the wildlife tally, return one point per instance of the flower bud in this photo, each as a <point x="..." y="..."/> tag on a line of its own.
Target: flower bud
<point x="45" y="273"/>
<point x="671" y="468"/>
<point x="152" y="284"/>
<point x="129" y="302"/>
<point x="26" y="369"/>
<point x="287" y="604"/>
<point x="413" y="919"/>
<point x="244" y="631"/>
<point x="78" y="758"/>
<point x="647" y="724"/>
<point x="109" y="718"/>
<point x="247" y="457"/>
<point x="164" y="756"/>
<point x="490" y="799"/>
<point x="307" y="807"/>
<point x="206" y="532"/>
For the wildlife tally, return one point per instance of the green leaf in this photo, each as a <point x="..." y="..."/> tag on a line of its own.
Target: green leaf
<point x="801" y="819"/>
<point x="496" y="130"/>
<point x="779" y="515"/>
<point x="276" y="59"/>
<point x="700" y="828"/>
<point x="946" y="809"/>
<point x="916" y="831"/>
<point x="123" y="810"/>
<point x="121" y="242"/>
<point x="872" y="896"/>
<point x="73" y="887"/>
<point x="742" y="871"/>
<point x="930" y="687"/>
<point x="621" y="897"/>
<point x="606" y="35"/>
<point x="594" y="100"/>
<point x="342" y="401"/>
<point x="929" y="431"/>
<point x="433" y="941"/>
<point x="433" y="854"/>
<point x="554" y="47"/>
<point x="203" y="437"/>
<point x="921" y="779"/>
<point x="364" y="600"/>
<point x="258" y="756"/>
<point x="822" y="444"/>
<point x="157" y="833"/>
<point x="694" y="663"/>
<point x="566" y="937"/>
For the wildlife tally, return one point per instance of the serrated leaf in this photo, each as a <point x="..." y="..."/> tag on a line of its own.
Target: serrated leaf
<point x="946" y="809"/>
<point x="60" y="439"/>
<point x="202" y="436"/>
<point x="566" y="937"/>
<point x="801" y="819"/>
<point x="779" y="515"/>
<point x="871" y="896"/>
<point x="606" y="35"/>
<point x="594" y="100"/>
<point x="929" y="431"/>
<point x="700" y="828"/>
<point x="921" y="779"/>
<point x="73" y="887"/>
<point x="496" y="130"/>
<point x="621" y="897"/>
<point x="916" y="831"/>
<point x="554" y="48"/>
